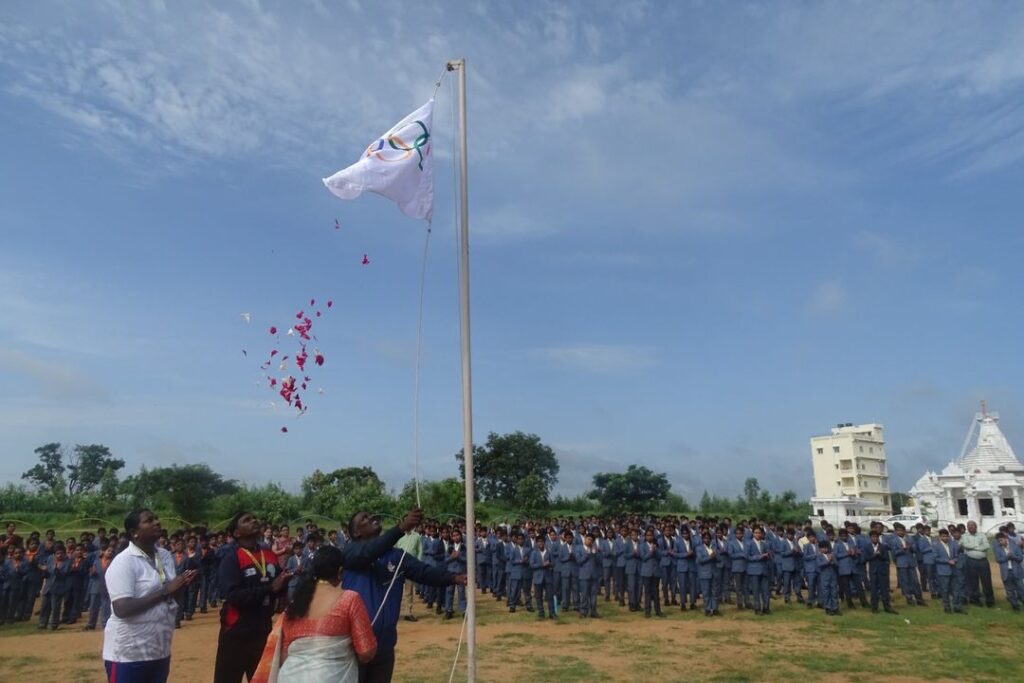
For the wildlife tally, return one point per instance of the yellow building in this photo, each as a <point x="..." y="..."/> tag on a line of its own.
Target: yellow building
<point x="850" y="464"/>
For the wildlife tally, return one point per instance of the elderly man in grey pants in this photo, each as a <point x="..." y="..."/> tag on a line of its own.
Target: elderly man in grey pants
<point x="976" y="546"/>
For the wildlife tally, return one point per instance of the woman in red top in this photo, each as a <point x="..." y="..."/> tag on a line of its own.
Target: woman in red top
<point x="282" y="546"/>
<point x="325" y="632"/>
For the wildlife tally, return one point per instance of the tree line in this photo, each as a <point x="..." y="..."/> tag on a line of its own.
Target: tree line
<point x="515" y="476"/>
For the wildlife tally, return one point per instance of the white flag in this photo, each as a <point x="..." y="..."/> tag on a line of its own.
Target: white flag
<point x="397" y="165"/>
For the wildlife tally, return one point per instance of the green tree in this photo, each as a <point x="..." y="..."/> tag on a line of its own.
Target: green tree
<point x="531" y="494"/>
<point x="751" y="491"/>
<point x="898" y="501"/>
<point x="345" y="491"/>
<point x="48" y="473"/>
<point x="638" y="489"/>
<point x="436" y="497"/>
<point x="676" y="503"/>
<point x="87" y="465"/>
<point x="189" y="490"/>
<point x="270" y="502"/>
<point x="507" y="459"/>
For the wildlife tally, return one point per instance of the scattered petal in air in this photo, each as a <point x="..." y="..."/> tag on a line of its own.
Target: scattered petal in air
<point x="320" y="390"/>
<point x="273" y="406"/>
<point x="244" y="353"/>
<point x="273" y="330"/>
<point x="312" y="302"/>
<point x="291" y="332"/>
<point x="247" y="317"/>
<point x="283" y="366"/>
<point x="273" y="353"/>
<point x="284" y="430"/>
<point x="318" y="358"/>
<point x="330" y="303"/>
<point x="337" y="224"/>
<point x="366" y="260"/>
<point x="318" y="314"/>
<point x="300" y="315"/>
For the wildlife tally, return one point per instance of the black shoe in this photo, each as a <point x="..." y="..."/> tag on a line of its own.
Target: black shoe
<point x="53" y="627"/>
<point x="660" y="615"/>
<point x="890" y="610"/>
<point x="874" y="610"/>
<point x="438" y="610"/>
<point x="529" y="608"/>
<point x="511" y="610"/>
<point x="202" y="611"/>
<point x="89" y="627"/>
<point x="448" y="615"/>
<point x="410" y="617"/>
<point x="922" y="603"/>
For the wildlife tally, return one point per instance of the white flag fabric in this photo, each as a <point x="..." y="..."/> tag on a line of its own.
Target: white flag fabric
<point x="397" y="165"/>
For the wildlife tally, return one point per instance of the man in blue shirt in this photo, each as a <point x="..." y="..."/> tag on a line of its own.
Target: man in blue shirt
<point x="376" y="570"/>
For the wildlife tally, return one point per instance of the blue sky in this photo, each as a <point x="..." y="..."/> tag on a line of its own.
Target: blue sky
<point x="701" y="232"/>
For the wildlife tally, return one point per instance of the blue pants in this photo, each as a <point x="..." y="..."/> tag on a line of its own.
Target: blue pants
<point x="633" y="590"/>
<point x="760" y="588"/>
<point x="812" y="588"/>
<point x="153" y="671"/>
<point x="828" y="589"/>
<point x="449" y="598"/>
<point x="739" y="584"/>
<point x="709" y="590"/>
<point x="790" y="585"/>
<point x="684" y="581"/>
<point x="651" y="596"/>
<point x="545" y="592"/>
<point x="908" y="582"/>
<point x="588" y="597"/>
<point x="514" y="591"/>
<point x="619" y="574"/>
<point x="667" y="584"/>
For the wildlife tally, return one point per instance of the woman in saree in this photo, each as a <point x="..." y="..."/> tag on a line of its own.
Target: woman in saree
<point x="324" y="633"/>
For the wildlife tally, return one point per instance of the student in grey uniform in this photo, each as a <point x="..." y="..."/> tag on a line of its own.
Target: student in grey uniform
<point x="878" y="554"/>
<point x="944" y="551"/>
<point x="666" y="564"/>
<point x="631" y="549"/>
<point x="828" y="579"/>
<point x="707" y="574"/>
<point x="619" y="570"/>
<point x="589" y="562"/>
<point x="792" y="563"/>
<point x="738" y="568"/>
<point x="650" y="573"/>
<point x="811" y="553"/>
<point x="604" y="548"/>
<point x="685" y="557"/>
<point x="516" y="558"/>
<point x="567" y="563"/>
<point x="54" y="587"/>
<point x="543" y="566"/>
<point x="99" y="597"/>
<point x="906" y="565"/>
<point x="759" y="560"/>
<point x="1009" y="558"/>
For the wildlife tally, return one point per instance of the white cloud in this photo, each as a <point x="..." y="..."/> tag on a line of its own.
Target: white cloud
<point x="828" y="297"/>
<point x="600" y="358"/>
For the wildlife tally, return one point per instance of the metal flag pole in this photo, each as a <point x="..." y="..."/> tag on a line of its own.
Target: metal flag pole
<point x="467" y="383"/>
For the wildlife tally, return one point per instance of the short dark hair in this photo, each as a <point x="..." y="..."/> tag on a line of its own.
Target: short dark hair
<point x="132" y="519"/>
<point x="233" y="522"/>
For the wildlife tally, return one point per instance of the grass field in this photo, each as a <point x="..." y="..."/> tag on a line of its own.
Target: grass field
<point x="794" y="643"/>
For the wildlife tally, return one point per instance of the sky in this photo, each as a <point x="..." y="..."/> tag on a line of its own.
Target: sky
<point x="701" y="232"/>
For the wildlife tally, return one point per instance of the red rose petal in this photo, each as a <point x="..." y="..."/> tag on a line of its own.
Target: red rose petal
<point x="330" y="303"/>
<point x="273" y="330"/>
<point x="284" y="429"/>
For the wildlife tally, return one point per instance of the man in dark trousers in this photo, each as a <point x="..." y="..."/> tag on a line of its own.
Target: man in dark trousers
<point x="373" y="567"/>
<point x="251" y="583"/>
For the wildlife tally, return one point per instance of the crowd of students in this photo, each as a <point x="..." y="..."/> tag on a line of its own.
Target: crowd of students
<point x="546" y="566"/>
<point x="555" y="567"/>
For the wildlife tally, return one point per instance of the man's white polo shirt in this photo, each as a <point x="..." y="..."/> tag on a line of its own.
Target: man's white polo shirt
<point x="145" y="636"/>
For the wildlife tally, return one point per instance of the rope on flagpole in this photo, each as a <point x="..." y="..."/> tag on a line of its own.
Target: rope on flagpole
<point x="458" y="648"/>
<point x="419" y="361"/>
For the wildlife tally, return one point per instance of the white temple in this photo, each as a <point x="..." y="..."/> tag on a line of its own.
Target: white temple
<point x="985" y="484"/>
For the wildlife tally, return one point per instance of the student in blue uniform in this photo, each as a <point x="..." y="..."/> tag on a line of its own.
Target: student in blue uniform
<point x="685" y="557"/>
<point x="515" y="559"/>
<point x="605" y="550"/>
<point x="845" y="552"/>
<point x="944" y="553"/>
<point x="738" y="569"/>
<point x="527" y="583"/>
<point x="828" y="579"/>
<point x="926" y="552"/>
<point x="792" y="563"/>
<point x="906" y="565"/>
<point x="811" y="554"/>
<point x="17" y="572"/>
<point x="543" y="566"/>
<point x="759" y="559"/>
<point x="631" y="549"/>
<point x="707" y="559"/>
<point x="457" y="564"/>
<point x="958" y="586"/>
<point x="619" y="570"/>
<point x="483" y="560"/>
<point x="720" y="542"/>
<point x="54" y="587"/>
<point x="650" y="573"/>
<point x="1009" y="558"/>
<point x="878" y="554"/>
<point x="99" y="598"/>
<point x="571" y="571"/>
<point x="589" y="562"/>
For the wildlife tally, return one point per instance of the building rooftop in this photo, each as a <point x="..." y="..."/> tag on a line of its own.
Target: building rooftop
<point x="991" y="452"/>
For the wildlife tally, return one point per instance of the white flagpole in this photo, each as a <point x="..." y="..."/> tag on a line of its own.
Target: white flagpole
<point x="467" y="383"/>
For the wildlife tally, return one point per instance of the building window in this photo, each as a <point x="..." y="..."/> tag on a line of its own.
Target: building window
<point x="871" y="449"/>
<point x="837" y="466"/>
<point x="885" y="500"/>
<point x="961" y="506"/>
<point x="821" y="512"/>
<point x="861" y="448"/>
<point x="985" y="507"/>
<point x="1008" y="503"/>
<point x="820" y="451"/>
<point x="835" y="449"/>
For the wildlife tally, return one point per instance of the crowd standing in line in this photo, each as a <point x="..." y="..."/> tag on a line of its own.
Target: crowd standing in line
<point x="347" y="588"/>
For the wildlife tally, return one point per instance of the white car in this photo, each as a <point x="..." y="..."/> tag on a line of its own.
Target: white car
<point x="909" y="521"/>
